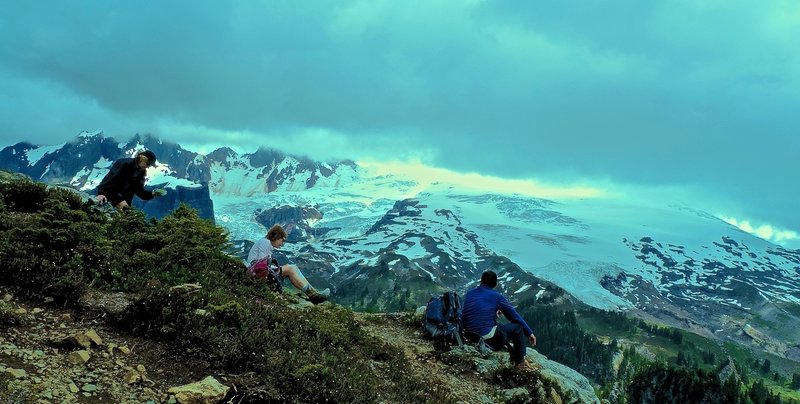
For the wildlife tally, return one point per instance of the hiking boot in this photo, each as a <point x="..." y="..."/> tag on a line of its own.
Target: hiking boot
<point x="318" y="296"/>
<point x="526" y="366"/>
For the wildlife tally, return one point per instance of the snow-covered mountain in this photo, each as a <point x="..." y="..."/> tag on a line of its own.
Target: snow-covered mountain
<point x="390" y="241"/>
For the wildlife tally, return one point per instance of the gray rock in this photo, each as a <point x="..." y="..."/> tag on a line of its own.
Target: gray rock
<point x="131" y="376"/>
<point x="518" y="393"/>
<point x="483" y="364"/>
<point x="185" y="288"/>
<point x="15" y="373"/>
<point x="77" y="340"/>
<point x="78" y="357"/>
<point x="93" y="337"/>
<point x="569" y="380"/>
<point x="207" y="391"/>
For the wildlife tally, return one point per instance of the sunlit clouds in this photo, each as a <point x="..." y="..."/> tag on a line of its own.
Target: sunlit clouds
<point x="428" y="176"/>
<point x="766" y="231"/>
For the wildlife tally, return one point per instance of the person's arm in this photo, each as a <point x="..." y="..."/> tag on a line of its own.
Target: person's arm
<point x="512" y="315"/>
<point x="142" y="193"/>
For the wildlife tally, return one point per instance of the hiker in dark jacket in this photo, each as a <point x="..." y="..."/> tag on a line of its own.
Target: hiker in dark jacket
<point x="482" y="307"/>
<point x="125" y="179"/>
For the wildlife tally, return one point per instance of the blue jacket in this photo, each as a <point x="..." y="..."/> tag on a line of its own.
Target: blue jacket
<point x="480" y="311"/>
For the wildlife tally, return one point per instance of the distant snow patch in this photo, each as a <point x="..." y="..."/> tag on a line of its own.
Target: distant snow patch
<point x="522" y="289"/>
<point x="34" y="155"/>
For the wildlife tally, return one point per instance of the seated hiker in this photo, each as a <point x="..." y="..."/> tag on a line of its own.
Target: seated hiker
<point x="262" y="251"/>
<point x="125" y="179"/>
<point x="482" y="307"/>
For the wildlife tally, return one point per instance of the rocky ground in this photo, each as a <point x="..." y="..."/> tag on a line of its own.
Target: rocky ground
<point x="68" y="356"/>
<point x="58" y="355"/>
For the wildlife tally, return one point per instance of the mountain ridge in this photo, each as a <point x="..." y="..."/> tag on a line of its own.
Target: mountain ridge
<point x="664" y="260"/>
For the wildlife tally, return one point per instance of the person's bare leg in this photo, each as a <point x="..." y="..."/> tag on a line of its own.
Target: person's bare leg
<point x="299" y="281"/>
<point x="295" y="276"/>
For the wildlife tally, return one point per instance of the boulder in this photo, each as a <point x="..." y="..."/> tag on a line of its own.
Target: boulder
<point x="206" y="391"/>
<point x="565" y="377"/>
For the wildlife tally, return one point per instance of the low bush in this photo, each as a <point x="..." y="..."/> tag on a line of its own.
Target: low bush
<point x="54" y="244"/>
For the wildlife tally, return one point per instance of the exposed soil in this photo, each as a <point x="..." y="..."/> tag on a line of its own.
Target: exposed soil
<point x="34" y="347"/>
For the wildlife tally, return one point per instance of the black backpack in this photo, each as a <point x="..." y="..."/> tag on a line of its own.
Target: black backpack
<point x="442" y="320"/>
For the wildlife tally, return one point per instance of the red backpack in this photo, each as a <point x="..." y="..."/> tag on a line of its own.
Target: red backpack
<point x="269" y="270"/>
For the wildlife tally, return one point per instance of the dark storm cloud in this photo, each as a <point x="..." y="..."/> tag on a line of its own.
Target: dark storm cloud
<point x="651" y="93"/>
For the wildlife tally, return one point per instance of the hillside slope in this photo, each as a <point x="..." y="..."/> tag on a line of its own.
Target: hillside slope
<point x="40" y="357"/>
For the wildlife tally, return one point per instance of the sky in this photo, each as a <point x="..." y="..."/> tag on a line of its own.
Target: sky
<point x="696" y="99"/>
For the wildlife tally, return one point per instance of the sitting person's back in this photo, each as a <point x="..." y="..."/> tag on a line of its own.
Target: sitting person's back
<point x="482" y="306"/>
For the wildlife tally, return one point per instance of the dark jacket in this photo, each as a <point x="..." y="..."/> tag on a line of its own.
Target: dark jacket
<point x="480" y="311"/>
<point x="123" y="181"/>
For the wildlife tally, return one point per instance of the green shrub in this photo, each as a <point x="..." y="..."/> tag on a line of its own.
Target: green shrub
<point x="23" y="195"/>
<point x="53" y="243"/>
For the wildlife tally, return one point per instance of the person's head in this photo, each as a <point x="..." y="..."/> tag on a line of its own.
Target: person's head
<point x="489" y="278"/>
<point x="145" y="159"/>
<point x="276" y="236"/>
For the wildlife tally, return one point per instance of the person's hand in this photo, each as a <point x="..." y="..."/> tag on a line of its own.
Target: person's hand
<point x="122" y="205"/>
<point x="101" y="199"/>
<point x="532" y="340"/>
<point x="159" y="192"/>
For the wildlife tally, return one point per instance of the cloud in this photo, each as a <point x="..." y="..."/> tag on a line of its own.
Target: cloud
<point x="787" y="238"/>
<point x="428" y="176"/>
<point x="694" y="94"/>
<point x="317" y="143"/>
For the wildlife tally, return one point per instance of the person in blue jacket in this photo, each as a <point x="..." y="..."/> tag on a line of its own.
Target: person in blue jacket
<point x="482" y="306"/>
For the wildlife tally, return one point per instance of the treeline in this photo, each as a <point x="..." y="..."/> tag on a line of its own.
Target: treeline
<point x="560" y="338"/>
<point x="641" y="380"/>
<point x="619" y="321"/>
